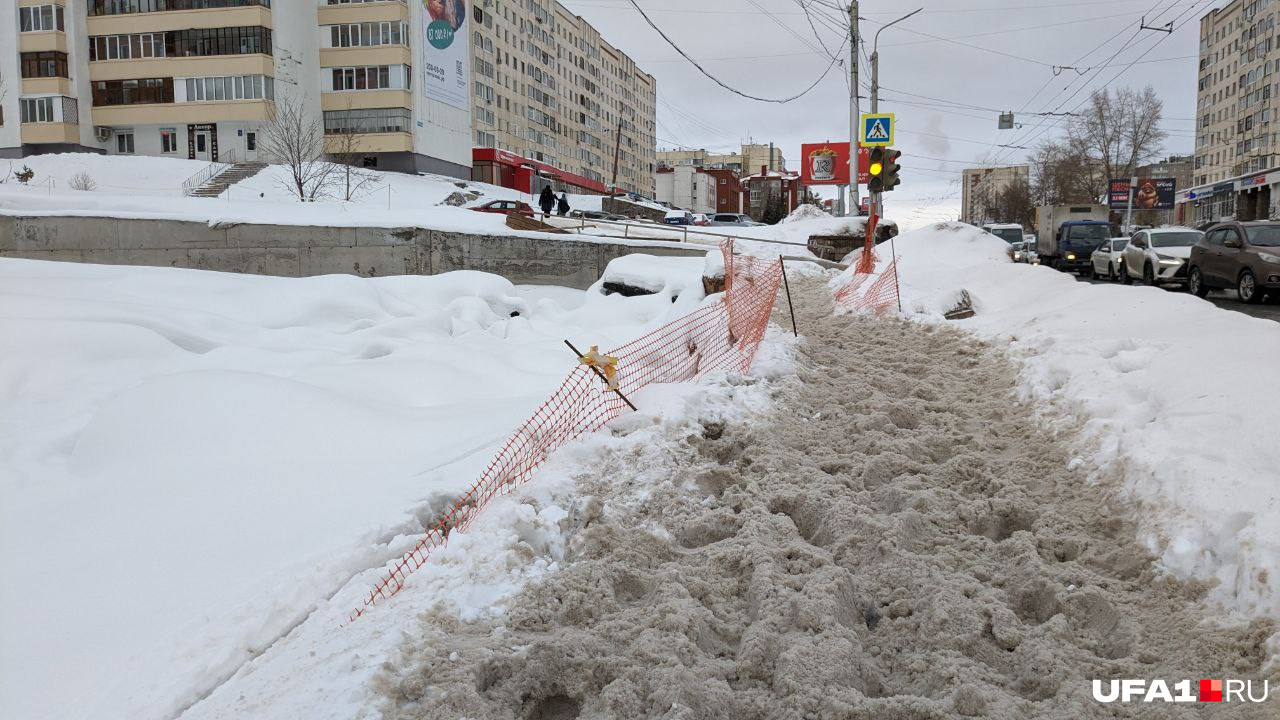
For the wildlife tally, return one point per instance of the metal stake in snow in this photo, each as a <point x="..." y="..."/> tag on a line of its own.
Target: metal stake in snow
<point x="782" y="263"/>
<point x="600" y="375"/>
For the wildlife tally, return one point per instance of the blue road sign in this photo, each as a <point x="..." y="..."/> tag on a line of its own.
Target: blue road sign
<point x="877" y="130"/>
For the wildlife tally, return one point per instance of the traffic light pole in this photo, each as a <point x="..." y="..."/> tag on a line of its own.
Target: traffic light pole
<point x="875" y="85"/>
<point x="854" y="200"/>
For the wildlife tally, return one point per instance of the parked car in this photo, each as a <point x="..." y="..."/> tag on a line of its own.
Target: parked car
<point x="1159" y="256"/>
<point x="679" y="217"/>
<point x="1240" y="255"/>
<point x="502" y="207"/>
<point x="733" y="219"/>
<point x="701" y="219"/>
<point x="1108" y="259"/>
<point x="1016" y="249"/>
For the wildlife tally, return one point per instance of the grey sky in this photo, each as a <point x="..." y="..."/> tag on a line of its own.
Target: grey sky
<point x="1000" y="53"/>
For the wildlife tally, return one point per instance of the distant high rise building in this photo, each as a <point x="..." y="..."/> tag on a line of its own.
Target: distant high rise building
<point x="546" y="86"/>
<point x="197" y="79"/>
<point x="980" y="187"/>
<point x="750" y="160"/>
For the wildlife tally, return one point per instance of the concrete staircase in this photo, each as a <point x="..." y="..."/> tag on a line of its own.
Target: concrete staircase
<point x="214" y="186"/>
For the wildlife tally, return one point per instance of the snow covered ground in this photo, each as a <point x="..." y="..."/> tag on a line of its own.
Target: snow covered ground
<point x="193" y="462"/>
<point x="1177" y="398"/>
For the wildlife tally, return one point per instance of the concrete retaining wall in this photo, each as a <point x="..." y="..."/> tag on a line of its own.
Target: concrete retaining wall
<point x="299" y="251"/>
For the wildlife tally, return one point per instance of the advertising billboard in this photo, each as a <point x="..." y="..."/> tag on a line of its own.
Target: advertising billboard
<point x="828" y="164"/>
<point x="444" y="60"/>
<point x="1152" y="194"/>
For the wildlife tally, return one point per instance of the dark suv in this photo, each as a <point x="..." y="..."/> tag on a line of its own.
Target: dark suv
<point x="1240" y="255"/>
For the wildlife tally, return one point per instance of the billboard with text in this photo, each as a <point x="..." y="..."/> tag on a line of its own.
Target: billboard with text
<point x="1151" y="194"/>
<point x="444" y="60"/>
<point x="828" y="164"/>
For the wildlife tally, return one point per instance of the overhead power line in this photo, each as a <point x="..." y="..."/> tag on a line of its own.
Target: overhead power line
<point x="720" y="82"/>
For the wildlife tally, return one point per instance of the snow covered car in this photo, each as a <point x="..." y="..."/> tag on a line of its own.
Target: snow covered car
<point x="502" y="207"/>
<point x="1159" y="256"/>
<point x="1108" y="259"/>
<point x="1243" y="256"/>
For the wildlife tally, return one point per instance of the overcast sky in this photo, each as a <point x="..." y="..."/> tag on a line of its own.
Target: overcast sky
<point x="946" y="73"/>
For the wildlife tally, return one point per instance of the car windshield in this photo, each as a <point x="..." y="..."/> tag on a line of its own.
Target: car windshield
<point x="1009" y="235"/>
<point x="1174" y="239"/>
<point x="1089" y="232"/>
<point x="1264" y="235"/>
<point x="1118" y="245"/>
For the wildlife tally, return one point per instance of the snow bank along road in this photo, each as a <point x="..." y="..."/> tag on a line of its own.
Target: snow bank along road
<point x="884" y="544"/>
<point x="1269" y="310"/>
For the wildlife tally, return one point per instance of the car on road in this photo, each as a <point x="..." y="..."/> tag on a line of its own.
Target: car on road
<point x="1159" y="256"/>
<point x="502" y="207"/>
<point x="1008" y="232"/>
<point x="1017" y="251"/>
<point x="701" y="219"/>
<point x="731" y="219"/>
<point x="1108" y="259"/>
<point x="1244" y="256"/>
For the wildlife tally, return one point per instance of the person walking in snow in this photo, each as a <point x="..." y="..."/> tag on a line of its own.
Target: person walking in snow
<point x="562" y="207"/>
<point x="547" y="200"/>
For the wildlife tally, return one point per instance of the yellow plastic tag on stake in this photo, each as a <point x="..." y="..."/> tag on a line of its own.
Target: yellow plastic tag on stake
<point x="606" y="364"/>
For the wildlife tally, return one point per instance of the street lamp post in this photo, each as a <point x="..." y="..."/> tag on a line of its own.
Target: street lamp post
<point x="875" y="86"/>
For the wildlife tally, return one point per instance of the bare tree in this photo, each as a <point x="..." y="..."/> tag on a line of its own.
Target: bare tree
<point x="346" y="149"/>
<point x="1117" y="132"/>
<point x="1061" y="175"/>
<point x="295" y="138"/>
<point x="1012" y="204"/>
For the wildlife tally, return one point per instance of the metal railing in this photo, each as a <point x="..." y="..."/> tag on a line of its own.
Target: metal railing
<point x="682" y="230"/>
<point x="211" y="171"/>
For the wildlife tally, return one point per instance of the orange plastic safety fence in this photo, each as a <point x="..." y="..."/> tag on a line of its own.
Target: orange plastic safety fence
<point x="722" y="336"/>
<point x="871" y="291"/>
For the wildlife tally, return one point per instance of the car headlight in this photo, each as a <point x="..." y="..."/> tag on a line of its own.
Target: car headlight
<point x="1071" y="256"/>
<point x="1269" y="258"/>
<point x="1166" y="260"/>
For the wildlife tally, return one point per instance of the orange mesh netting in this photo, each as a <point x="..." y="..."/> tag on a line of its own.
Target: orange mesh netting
<point x="721" y="336"/>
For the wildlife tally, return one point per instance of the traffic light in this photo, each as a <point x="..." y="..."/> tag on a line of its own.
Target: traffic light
<point x="890" y="179"/>
<point x="875" y="168"/>
<point x="883" y="168"/>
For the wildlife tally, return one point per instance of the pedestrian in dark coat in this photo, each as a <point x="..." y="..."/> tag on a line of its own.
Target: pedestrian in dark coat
<point x="562" y="208"/>
<point x="547" y="200"/>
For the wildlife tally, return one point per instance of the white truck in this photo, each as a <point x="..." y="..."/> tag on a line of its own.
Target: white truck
<point x="1067" y="235"/>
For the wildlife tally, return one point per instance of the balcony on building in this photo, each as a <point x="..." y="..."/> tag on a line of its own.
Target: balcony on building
<point x="121" y="17"/>
<point x="340" y="12"/>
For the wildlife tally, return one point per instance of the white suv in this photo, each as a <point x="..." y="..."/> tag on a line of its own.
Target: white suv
<point x="1159" y="256"/>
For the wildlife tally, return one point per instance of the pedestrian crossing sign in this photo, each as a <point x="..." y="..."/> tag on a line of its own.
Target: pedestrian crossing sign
<point x="877" y="130"/>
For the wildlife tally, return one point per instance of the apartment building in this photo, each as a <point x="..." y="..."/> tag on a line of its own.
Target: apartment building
<point x="547" y="87"/>
<point x="751" y="159"/>
<point x="698" y="189"/>
<point x="979" y="189"/>
<point x="199" y="79"/>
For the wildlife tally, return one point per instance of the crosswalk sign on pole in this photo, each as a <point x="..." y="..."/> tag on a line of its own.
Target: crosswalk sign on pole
<point x="877" y="130"/>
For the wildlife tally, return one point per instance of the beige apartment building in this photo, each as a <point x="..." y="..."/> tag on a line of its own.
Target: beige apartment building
<point x="198" y="79"/>
<point x="751" y="160"/>
<point x="547" y="87"/>
<point x="980" y="186"/>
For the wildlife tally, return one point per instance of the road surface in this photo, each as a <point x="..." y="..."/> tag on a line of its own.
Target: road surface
<point x="894" y="540"/>
<point x="1269" y="310"/>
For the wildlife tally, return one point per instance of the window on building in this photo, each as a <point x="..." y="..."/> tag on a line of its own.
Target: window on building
<point x="370" y="120"/>
<point x="378" y="77"/>
<point x="369" y="34"/>
<point x="40" y="18"/>
<point x="201" y="42"/>
<point x="126" y="7"/>
<point x="133" y="92"/>
<point x="124" y="142"/>
<point x="231" y="87"/>
<point x="168" y="140"/>
<point x="46" y="64"/>
<point x="36" y="110"/>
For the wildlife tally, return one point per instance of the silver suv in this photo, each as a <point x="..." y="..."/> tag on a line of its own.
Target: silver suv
<point x="738" y="219"/>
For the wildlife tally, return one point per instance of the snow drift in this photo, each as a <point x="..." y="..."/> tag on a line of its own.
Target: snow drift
<point x="1171" y="393"/>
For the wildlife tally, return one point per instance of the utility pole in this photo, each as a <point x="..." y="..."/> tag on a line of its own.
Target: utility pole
<point x="875" y="90"/>
<point x="1128" y="213"/>
<point x="617" y="149"/>
<point x="854" y="201"/>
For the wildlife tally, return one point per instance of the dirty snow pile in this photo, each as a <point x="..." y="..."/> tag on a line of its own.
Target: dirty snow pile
<point x="192" y="462"/>
<point x="806" y="211"/>
<point x="1175" y="398"/>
